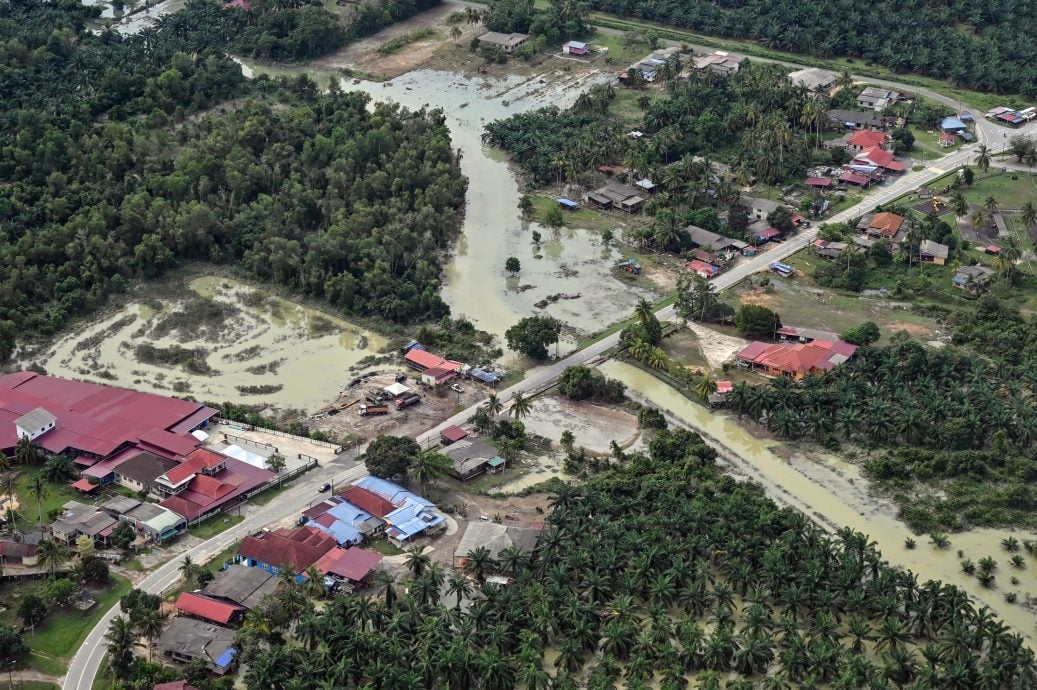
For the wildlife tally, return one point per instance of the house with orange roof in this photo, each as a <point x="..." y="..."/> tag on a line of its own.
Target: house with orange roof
<point x="796" y="360"/>
<point x="866" y="139"/>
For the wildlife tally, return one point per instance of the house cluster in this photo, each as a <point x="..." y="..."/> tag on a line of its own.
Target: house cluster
<point x="884" y="225"/>
<point x="371" y="507"/>
<point x="971" y="278"/>
<point x="508" y="43"/>
<point x="956" y="127"/>
<point x="150" y="521"/>
<point x="616" y="195"/>
<point x="799" y="352"/>
<point x="436" y="371"/>
<point x="855" y="120"/>
<point x="1012" y="117"/>
<point x="648" y="68"/>
<point x="872" y="162"/>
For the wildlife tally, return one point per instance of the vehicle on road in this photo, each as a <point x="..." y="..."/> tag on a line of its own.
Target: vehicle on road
<point x="323" y="488"/>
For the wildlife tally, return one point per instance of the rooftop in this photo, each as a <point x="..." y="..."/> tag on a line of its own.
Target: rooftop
<point x="812" y="78"/>
<point x="935" y="249"/>
<point x="352" y="564"/>
<point x="210" y="609"/>
<point x="145" y="467"/>
<point x="496" y="538"/>
<point x="242" y="585"/>
<point x="198" y="639"/>
<point x="299" y="547"/>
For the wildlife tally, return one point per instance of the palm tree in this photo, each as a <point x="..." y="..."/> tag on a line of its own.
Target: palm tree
<point x="960" y="204"/>
<point x="314" y="584"/>
<point x="983" y="154"/>
<point x="480" y="562"/>
<point x="1029" y="214"/>
<point x="150" y="625"/>
<point x="428" y="467"/>
<point x="493" y="405"/>
<point x="521" y="406"/>
<point x="643" y="311"/>
<point x="38" y="491"/>
<point x="51" y="554"/>
<point x="417" y="561"/>
<point x="188" y="569"/>
<point x="707" y="387"/>
<point x="459" y="586"/>
<point x="120" y="645"/>
<point x="26" y="452"/>
<point x="991" y="204"/>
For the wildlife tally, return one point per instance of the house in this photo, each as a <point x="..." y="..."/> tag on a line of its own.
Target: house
<point x="930" y="252"/>
<point x="971" y="277"/>
<point x="299" y="547"/>
<point x="795" y="361"/>
<point x="883" y="225"/>
<point x="413" y="516"/>
<point x="575" y="48"/>
<point x="876" y="98"/>
<point x="819" y="182"/>
<point x="946" y="140"/>
<point x="153" y="521"/>
<point x="423" y="360"/>
<point x="350" y="566"/>
<point x="349" y="524"/>
<point x="176" y="479"/>
<point x="204" y="608"/>
<point x="829" y="250"/>
<point x="710" y="241"/>
<point x="855" y="179"/>
<point x="616" y="195"/>
<point x="206" y="495"/>
<point x="767" y="234"/>
<point x="703" y="255"/>
<point x="186" y="639"/>
<point x="495" y="538"/>
<point x="813" y="79"/>
<point x="17" y="553"/>
<point x="141" y="472"/>
<point x="759" y="209"/>
<point x="719" y="396"/>
<point x="720" y="62"/>
<point x="992" y="249"/>
<point x="452" y="434"/>
<point x="506" y="42"/>
<point x="952" y="125"/>
<point x="866" y="139"/>
<point x="241" y="585"/>
<point x="91" y="421"/>
<point x="368" y="501"/>
<point x="79" y="519"/>
<point x="470" y="458"/>
<point x="851" y="119"/>
<point x="880" y="158"/>
<point x="702" y="268"/>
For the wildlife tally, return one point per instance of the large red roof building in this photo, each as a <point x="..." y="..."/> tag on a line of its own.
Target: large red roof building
<point x="795" y="360"/>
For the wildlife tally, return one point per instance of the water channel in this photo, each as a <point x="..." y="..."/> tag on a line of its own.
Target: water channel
<point x="837" y="491"/>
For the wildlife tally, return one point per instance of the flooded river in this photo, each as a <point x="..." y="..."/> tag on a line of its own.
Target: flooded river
<point x="836" y="493"/>
<point x="571" y="261"/>
<point x="264" y="341"/>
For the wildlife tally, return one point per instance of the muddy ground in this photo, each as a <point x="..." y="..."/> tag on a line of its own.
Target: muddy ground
<point x="594" y="426"/>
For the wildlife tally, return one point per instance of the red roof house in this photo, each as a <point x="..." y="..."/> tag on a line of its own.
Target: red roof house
<point x="300" y="547"/>
<point x="880" y="158"/>
<point x="351" y="564"/>
<point x="796" y="360"/>
<point x="818" y="182"/>
<point x="866" y="139"/>
<point x="196" y="605"/>
<point x="702" y="268"/>
<point x="854" y="178"/>
<point x="452" y="434"/>
<point x="368" y="501"/>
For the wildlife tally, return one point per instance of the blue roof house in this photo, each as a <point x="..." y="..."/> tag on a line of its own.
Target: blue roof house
<point x="952" y="124"/>
<point x="390" y="491"/>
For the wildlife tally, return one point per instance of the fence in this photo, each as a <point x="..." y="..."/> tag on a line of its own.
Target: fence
<point x="277" y="432"/>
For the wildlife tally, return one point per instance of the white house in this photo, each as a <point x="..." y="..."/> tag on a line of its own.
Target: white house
<point x="35" y="423"/>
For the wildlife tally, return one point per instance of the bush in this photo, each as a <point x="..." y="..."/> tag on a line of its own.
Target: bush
<point x="12" y="646"/>
<point x="32" y="610"/>
<point x="533" y="334"/>
<point x="755" y="321"/>
<point x="651" y="418"/>
<point x="865" y="334"/>
<point x="583" y="383"/>
<point x="95" y="570"/>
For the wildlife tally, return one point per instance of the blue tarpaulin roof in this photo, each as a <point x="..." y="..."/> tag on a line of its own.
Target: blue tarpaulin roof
<point x="343" y="532"/>
<point x="411" y="520"/>
<point x="484" y="376"/>
<point x="569" y="203"/>
<point x="227" y="657"/>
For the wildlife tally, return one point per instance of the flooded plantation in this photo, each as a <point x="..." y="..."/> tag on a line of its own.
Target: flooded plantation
<point x="835" y="494"/>
<point x="221" y="340"/>
<point x="570" y="268"/>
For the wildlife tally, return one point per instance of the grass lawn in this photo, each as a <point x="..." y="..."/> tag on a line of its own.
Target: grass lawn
<point x="625" y="108"/>
<point x="683" y="346"/>
<point x="620" y="55"/>
<point x="270" y="494"/>
<point x="36" y="685"/>
<point x="213" y="526"/>
<point x="1010" y="194"/>
<point x="57" y="639"/>
<point x="586" y="218"/>
<point x="928" y="142"/>
<point x="57" y="496"/>
<point x="383" y="546"/>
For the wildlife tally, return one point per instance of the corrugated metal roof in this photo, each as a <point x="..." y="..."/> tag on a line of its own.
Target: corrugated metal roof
<point x="204" y="607"/>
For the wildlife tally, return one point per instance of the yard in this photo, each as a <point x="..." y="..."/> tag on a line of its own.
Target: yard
<point x="1012" y="189"/>
<point x="29" y="511"/>
<point x="215" y="525"/>
<point x="60" y="634"/>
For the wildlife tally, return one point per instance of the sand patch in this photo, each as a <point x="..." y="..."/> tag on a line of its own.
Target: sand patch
<point x="716" y="347"/>
<point x="913" y="329"/>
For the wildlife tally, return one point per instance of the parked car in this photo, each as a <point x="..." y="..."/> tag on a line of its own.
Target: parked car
<point x="324" y="487"/>
<point x="457" y="388"/>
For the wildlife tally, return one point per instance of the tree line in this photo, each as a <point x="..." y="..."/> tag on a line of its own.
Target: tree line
<point x="116" y="167"/>
<point x="986" y="48"/>
<point x="657" y="568"/>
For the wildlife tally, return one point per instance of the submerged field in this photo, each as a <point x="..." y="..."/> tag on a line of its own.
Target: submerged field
<point x="219" y="340"/>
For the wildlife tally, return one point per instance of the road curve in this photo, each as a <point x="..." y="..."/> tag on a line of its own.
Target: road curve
<point x="87" y="660"/>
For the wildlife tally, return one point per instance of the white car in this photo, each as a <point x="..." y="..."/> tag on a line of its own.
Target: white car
<point x="457" y="388"/>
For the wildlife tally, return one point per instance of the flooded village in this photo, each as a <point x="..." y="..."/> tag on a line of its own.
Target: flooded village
<point x="332" y="387"/>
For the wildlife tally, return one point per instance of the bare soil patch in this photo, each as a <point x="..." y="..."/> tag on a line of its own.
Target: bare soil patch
<point x="716" y="347"/>
<point x="758" y="297"/>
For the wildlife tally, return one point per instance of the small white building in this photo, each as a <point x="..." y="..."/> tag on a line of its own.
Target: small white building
<point x="35" y="424"/>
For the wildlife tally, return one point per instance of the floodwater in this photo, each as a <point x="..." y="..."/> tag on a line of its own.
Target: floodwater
<point x="131" y="21"/>
<point x="572" y="261"/>
<point x="835" y="493"/>
<point x="267" y="341"/>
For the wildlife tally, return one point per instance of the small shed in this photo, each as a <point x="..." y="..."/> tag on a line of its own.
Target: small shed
<point x="396" y="389"/>
<point x="452" y="434"/>
<point x="568" y="204"/>
<point x="575" y="48"/>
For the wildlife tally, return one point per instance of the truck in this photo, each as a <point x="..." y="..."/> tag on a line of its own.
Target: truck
<point x="407" y="400"/>
<point x="373" y="410"/>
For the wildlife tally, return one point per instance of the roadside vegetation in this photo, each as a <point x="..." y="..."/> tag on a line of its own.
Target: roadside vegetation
<point x="291" y="186"/>
<point x="630" y="584"/>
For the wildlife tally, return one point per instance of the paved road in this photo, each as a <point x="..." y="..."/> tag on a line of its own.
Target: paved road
<point x="87" y="661"/>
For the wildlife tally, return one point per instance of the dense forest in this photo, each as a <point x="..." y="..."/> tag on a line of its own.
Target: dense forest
<point x="960" y="420"/>
<point x="653" y="570"/>
<point x="984" y="46"/>
<point x="115" y="164"/>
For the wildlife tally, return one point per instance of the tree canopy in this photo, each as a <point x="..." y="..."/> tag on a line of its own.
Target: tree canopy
<point x="391" y="456"/>
<point x="533" y="334"/>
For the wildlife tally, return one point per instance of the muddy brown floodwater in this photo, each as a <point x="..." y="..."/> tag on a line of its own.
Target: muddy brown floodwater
<point x="265" y="341"/>
<point x="572" y="261"/>
<point x="836" y="494"/>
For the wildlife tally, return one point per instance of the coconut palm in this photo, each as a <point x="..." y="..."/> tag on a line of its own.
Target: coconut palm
<point x="1029" y="214"/>
<point x="983" y="155"/>
<point x="521" y="406"/>
<point x="26" y="452"/>
<point x="120" y="645"/>
<point x="991" y="204"/>
<point x="493" y="406"/>
<point x="38" y="491"/>
<point x="313" y="586"/>
<point x="960" y="204"/>
<point x="643" y="311"/>
<point x="150" y="625"/>
<point x="427" y="468"/>
<point x="51" y="554"/>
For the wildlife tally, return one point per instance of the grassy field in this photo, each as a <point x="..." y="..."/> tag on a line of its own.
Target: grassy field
<point x="383" y="547"/>
<point x="57" y="496"/>
<point x="927" y="143"/>
<point x="683" y="346"/>
<point x="56" y="640"/>
<point x="213" y="526"/>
